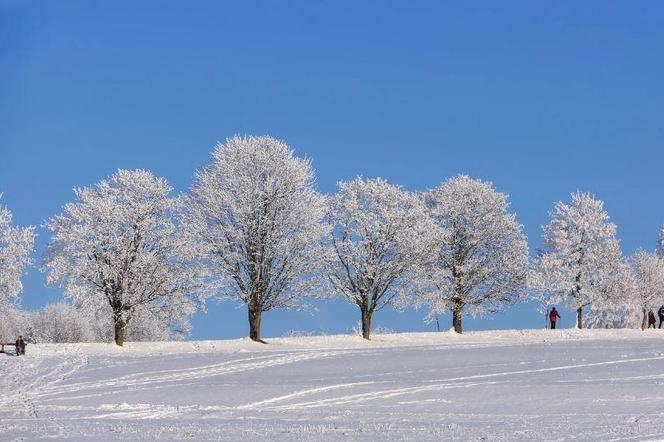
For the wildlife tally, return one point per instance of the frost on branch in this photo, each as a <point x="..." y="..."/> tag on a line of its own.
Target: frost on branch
<point x="381" y="239"/>
<point x="660" y="242"/>
<point x="581" y="255"/>
<point x="15" y="248"/>
<point x="481" y="261"/>
<point x="117" y="246"/>
<point x="256" y="221"/>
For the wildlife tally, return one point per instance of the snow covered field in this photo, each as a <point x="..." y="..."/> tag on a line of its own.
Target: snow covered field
<point x="500" y="385"/>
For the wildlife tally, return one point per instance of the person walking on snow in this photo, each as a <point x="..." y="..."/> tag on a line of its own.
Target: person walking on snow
<point x="20" y="346"/>
<point x="660" y="313"/>
<point x="553" y="317"/>
<point x="651" y="319"/>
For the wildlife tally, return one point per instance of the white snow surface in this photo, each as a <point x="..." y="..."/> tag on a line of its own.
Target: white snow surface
<point x="583" y="385"/>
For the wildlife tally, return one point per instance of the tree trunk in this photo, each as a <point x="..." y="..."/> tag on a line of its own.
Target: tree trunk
<point x="456" y="316"/>
<point x="120" y="331"/>
<point x="645" y="320"/>
<point x="579" y="318"/>
<point x="366" y="323"/>
<point x="255" y="325"/>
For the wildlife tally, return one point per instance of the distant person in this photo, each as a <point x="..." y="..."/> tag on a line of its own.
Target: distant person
<point x="20" y="346"/>
<point x="553" y="317"/>
<point x="651" y="319"/>
<point x="660" y="313"/>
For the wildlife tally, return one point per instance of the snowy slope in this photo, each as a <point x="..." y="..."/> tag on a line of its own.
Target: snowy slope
<point x="506" y="385"/>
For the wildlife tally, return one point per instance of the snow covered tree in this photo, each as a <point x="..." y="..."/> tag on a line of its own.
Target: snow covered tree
<point x="381" y="239"/>
<point x="118" y="244"/>
<point x="660" y="243"/>
<point x="15" y="247"/>
<point x="581" y="254"/>
<point x="481" y="262"/>
<point x="648" y="292"/>
<point x="60" y="322"/>
<point x="617" y="307"/>
<point x="256" y="221"/>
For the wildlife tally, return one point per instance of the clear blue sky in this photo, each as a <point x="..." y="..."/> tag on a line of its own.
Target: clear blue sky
<point x="542" y="98"/>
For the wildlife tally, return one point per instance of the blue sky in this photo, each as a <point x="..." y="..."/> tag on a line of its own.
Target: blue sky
<point x="542" y="98"/>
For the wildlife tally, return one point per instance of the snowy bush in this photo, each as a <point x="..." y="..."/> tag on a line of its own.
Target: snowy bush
<point x="301" y="333"/>
<point x="12" y="323"/>
<point x="147" y="324"/>
<point x="59" y="322"/>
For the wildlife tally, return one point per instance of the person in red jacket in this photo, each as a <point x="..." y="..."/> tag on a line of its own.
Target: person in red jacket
<point x="553" y="317"/>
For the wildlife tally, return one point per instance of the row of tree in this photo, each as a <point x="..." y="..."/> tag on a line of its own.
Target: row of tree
<point x="253" y="228"/>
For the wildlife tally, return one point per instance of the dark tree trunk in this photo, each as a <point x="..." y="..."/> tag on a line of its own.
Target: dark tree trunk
<point x="456" y="316"/>
<point x="645" y="320"/>
<point x="579" y="318"/>
<point x="366" y="322"/>
<point x="255" y="324"/>
<point x="120" y="331"/>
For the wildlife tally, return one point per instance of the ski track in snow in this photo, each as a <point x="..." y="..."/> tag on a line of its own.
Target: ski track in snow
<point x="537" y="385"/>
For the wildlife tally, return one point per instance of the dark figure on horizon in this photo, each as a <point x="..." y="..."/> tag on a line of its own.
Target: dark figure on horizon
<point x="651" y="319"/>
<point x="553" y="317"/>
<point x="660" y="313"/>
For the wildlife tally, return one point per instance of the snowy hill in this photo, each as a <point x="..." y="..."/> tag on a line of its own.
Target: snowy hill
<point x="499" y="385"/>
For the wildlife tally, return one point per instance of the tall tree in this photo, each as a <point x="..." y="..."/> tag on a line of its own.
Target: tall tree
<point x="481" y="262"/>
<point x="660" y="243"/>
<point x="581" y="253"/>
<point x="256" y="220"/>
<point x="118" y="244"/>
<point x="648" y="293"/>
<point x="381" y="239"/>
<point x="15" y="247"/>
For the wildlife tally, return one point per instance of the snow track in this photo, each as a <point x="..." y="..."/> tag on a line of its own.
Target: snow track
<point x="532" y="385"/>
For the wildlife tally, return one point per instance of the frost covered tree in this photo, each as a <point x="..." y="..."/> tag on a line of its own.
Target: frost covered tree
<point x="648" y="292"/>
<point x="581" y="254"/>
<point x="616" y="308"/>
<point x="381" y="238"/>
<point x="660" y="243"/>
<point x="481" y="261"/>
<point x="256" y="221"/>
<point x="60" y="322"/>
<point x="117" y="244"/>
<point x="15" y="247"/>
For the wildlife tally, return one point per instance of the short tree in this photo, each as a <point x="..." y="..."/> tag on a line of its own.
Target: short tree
<point x="481" y="263"/>
<point x="648" y="292"/>
<point x="118" y="244"/>
<point x="581" y="254"/>
<point x="381" y="239"/>
<point x="15" y="247"/>
<point x="60" y="322"/>
<point x="256" y="221"/>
